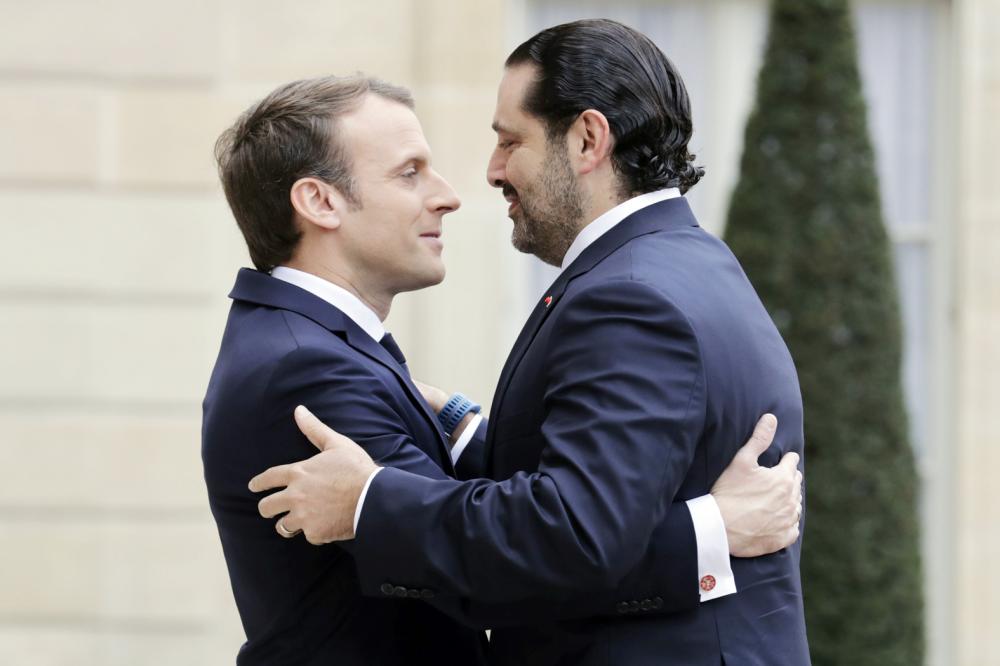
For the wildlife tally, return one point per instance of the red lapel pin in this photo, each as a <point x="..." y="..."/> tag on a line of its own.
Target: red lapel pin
<point x="548" y="301"/>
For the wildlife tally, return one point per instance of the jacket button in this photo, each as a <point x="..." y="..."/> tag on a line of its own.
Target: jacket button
<point x="387" y="589"/>
<point x="646" y="604"/>
<point x="413" y="593"/>
<point x="623" y="607"/>
<point x="633" y="606"/>
<point x="427" y="594"/>
<point x="657" y="603"/>
<point x="399" y="591"/>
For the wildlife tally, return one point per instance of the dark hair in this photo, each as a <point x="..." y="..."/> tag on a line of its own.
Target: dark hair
<point x="288" y="135"/>
<point x="603" y="65"/>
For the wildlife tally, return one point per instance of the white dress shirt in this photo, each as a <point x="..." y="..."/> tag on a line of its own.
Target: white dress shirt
<point x="338" y="297"/>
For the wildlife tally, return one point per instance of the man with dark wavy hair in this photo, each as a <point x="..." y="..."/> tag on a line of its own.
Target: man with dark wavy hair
<point x="647" y="360"/>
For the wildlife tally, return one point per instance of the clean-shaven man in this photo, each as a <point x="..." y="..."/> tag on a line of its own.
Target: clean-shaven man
<point x="649" y="357"/>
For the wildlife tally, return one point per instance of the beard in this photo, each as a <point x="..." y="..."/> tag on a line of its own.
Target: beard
<point x="550" y="211"/>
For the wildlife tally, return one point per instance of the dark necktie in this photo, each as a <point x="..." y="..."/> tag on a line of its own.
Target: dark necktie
<point x="390" y="345"/>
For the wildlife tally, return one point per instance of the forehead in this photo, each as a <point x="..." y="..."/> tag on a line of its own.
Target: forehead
<point x="509" y="114"/>
<point x="382" y="132"/>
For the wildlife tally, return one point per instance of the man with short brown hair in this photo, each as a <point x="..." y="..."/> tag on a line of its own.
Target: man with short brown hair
<point x="330" y="181"/>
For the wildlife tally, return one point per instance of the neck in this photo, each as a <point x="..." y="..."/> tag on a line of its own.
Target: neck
<point x="379" y="303"/>
<point x="600" y="202"/>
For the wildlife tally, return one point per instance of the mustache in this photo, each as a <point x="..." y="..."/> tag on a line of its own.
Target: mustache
<point x="508" y="190"/>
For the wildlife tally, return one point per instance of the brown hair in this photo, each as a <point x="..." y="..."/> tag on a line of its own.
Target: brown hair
<point x="288" y="135"/>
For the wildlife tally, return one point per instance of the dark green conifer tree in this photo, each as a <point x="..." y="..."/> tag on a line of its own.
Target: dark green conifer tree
<point x="805" y="220"/>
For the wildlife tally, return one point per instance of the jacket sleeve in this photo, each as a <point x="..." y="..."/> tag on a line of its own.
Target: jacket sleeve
<point x="354" y="401"/>
<point x="351" y="399"/>
<point x="624" y="409"/>
<point x="664" y="581"/>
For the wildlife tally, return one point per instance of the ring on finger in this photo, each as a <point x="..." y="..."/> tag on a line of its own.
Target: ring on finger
<point x="285" y="532"/>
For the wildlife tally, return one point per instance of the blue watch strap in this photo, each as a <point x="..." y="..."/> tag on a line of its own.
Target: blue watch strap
<point x="455" y="410"/>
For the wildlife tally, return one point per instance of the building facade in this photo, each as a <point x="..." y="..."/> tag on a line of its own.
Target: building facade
<point x="120" y="251"/>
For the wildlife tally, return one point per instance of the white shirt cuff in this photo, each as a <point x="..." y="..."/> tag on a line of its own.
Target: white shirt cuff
<point x="467" y="435"/>
<point x="361" y="499"/>
<point x="715" y="573"/>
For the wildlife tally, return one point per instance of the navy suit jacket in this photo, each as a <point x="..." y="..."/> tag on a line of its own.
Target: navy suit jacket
<point x="299" y="603"/>
<point x="632" y="385"/>
<point x="302" y="604"/>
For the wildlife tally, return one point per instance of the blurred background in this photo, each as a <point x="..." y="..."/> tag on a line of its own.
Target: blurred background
<point x="119" y="251"/>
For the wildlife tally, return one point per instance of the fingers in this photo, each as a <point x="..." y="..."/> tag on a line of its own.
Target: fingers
<point x="275" y="477"/>
<point x="781" y="540"/>
<point x="792" y="535"/>
<point x="763" y="435"/>
<point x="798" y="497"/>
<point x="288" y="527"/>
<point x="275" y="504"/>
<point x="790" y="463"/>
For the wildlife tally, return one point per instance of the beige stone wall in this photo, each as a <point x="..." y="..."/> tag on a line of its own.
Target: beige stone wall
<point x="118" y="253"/>
<point x="977" y="339"/>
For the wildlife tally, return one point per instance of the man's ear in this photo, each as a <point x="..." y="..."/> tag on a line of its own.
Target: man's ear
<point x="317" y="202"/>
<point x="589" y="140"/>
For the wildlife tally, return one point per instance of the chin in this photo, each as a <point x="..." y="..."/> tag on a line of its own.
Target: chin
<point x="521" y="242"/>
<point x="428" y="278"/>
<point x="437" y="278"/>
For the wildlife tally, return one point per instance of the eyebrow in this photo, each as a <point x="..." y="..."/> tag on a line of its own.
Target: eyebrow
<point x="497" y="127"/>
<point x="415" y="158"/>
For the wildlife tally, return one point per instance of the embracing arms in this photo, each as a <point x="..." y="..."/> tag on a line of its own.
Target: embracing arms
<point x="580" y="524"/>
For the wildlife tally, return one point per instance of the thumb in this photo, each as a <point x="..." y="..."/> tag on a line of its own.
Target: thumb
<point x="315" y="430"/>
<point x="763" y="435"/>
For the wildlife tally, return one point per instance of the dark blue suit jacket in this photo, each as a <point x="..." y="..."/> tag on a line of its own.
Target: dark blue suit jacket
<point x="633" y="386"/>
<point x="302" y="604"/>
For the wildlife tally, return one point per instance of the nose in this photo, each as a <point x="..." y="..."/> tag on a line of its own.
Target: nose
<point x="446" y="199"/>
<point x="496" y="170"/>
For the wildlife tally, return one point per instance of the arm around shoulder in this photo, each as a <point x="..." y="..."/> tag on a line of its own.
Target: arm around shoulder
<point x="619" y="434"/>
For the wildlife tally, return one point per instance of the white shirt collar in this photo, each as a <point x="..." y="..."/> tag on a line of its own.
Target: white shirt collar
<point x="608" y="220"/>
<point x="338" y="297"/>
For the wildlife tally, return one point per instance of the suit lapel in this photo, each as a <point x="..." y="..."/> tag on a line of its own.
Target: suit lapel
<point x="521" y="344"/>
<point x="262" y="289"/>
<point x="363" y="343"/>
<point x="662" y="216"/>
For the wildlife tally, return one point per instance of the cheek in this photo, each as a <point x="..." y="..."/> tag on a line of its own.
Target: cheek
<point x="393" y="222"/>
<point x="522" y="172"/>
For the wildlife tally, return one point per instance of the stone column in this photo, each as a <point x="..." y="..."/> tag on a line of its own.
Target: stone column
<point x="977" y="337"/>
